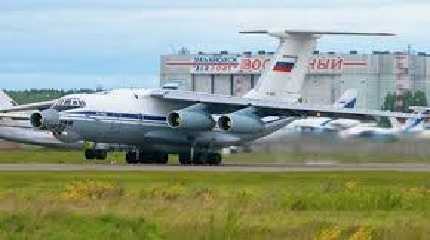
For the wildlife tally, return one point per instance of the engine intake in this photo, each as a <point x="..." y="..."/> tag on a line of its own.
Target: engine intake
<point x="242" y="121"/>
<point x="47" y="119"/>
<point x="36" y="120"/>
<point x="195" y="118"/>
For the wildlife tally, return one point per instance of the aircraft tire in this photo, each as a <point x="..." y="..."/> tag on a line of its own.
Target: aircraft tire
<point x="198" y="159"/>
<point x="214" y="159"/>
<point x="162" y="158"/>
<point x="90" y="154"/>
<point x="131" y="158"/>
<point x="100" y="154"/>
<point x="147" y="158"/>
<point x="184" y="158"/>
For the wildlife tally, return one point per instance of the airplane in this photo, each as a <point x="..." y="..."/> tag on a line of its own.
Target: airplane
<point x="411" y="128"/>
<point x="322" y="125"/>
<point x="151" y="123"/>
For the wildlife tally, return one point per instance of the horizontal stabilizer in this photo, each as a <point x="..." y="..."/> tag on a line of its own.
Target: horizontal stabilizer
<point x="309" y="32"/>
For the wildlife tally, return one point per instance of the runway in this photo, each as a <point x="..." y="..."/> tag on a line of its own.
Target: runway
<point x="275" y="168"/>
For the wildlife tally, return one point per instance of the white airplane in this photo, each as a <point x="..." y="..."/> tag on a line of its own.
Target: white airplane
<point x="413" y="127"/>
<point x="323" y="124"/>
<point x="150" y="124"/>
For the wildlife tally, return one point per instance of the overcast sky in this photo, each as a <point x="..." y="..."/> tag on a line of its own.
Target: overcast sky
<point x="84" y="43"/>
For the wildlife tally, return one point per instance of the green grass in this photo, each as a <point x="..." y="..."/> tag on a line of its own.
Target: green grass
<point x="201" y="205"/>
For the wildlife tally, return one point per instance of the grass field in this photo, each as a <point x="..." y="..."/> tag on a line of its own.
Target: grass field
<point x="185" y="205"/>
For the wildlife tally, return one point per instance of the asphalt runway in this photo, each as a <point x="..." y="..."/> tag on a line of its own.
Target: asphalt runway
<point x="306" y="167"/>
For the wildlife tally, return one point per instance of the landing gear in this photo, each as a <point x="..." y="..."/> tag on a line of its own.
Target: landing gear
<point x="162" y="158"/>
<point x="131" y="158"/>
<point x="153" y="158"/>
<point x="146" y="157"/>
<point x="185" y="158"/>
<point x="99" y="154"/>
<point x="200" y="158"/>
<point x="214" y="159"/>
<point x="89" y="154"/>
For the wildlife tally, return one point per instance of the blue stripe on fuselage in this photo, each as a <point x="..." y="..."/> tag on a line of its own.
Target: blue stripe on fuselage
<point x="124" y="115"/>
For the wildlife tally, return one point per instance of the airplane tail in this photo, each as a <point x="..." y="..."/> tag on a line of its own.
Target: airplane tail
<point x="6" y="101"/>
<point x="347" y="100"/>
<point x="414" y="124"/>
<point x="284" y="78"/>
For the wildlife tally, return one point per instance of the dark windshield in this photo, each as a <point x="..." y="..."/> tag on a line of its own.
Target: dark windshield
<point x="68" y="103"/>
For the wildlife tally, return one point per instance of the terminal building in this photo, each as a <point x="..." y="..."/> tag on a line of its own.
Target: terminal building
<point x="329" y="74"/>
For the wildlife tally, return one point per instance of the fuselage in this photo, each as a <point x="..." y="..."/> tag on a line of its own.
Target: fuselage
<point x="134" y="118"/>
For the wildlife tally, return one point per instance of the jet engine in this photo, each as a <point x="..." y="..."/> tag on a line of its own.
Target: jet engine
<point x="47" y="119"/>
<point x="196" y="117"/>
<point x="242" y="121"/>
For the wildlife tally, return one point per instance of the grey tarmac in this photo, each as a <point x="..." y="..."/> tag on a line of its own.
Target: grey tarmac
<point x="228" y="167"/>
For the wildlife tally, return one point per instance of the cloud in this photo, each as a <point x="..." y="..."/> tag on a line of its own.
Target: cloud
<point x="44" y="4"/>
<point x="95" y="38"/>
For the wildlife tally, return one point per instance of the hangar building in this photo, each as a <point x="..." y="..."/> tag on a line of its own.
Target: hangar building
<point x="329" y="74"/>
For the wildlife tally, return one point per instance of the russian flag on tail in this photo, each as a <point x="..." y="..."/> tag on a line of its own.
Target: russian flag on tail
<point x="286" y="65"/>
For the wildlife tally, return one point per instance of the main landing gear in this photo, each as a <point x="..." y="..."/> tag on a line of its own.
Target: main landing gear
<point x="143" y="157"/>
<point x="98" y="154"/>
<point x="200" y="158"/>
<point x="146" y="157"/>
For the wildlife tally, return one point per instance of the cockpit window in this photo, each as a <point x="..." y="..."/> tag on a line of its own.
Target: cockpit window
<point x="68" y="103"/>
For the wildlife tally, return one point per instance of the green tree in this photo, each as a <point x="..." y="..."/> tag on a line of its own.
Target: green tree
<point x="389" y="102"/>
<point x="388" y="105"/>
<point x="420" y="98"/>
<point x="408" y="100"/>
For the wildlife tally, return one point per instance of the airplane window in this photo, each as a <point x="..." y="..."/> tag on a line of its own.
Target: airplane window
<point x="69" y="103"/>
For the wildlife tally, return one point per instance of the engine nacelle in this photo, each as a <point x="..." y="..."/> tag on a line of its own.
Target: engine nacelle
<point x="195" y="118"/>
<point x="47" y="119"/>
<point x="243" y="121"/>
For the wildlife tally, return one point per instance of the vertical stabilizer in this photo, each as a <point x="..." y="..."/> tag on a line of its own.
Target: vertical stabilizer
<point x="414" y="124"/>
<point x="6" y="101"/>
<point x="347" y="100"/>
<point x="284" y="79"/>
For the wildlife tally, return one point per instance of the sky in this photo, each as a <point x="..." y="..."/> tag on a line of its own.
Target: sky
<point x="111" y="43"/>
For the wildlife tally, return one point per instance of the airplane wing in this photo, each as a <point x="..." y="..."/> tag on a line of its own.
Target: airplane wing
<point x="31" y="106"/>
<point x="219" y="104"/>
<point x="15" y="116"/>
<point x="34" y="137"/>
